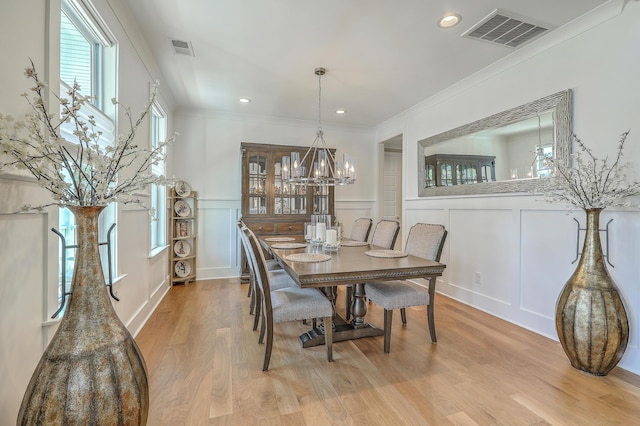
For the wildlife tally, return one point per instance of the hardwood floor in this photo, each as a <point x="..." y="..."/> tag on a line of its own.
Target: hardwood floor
<point x="204" y="365"/>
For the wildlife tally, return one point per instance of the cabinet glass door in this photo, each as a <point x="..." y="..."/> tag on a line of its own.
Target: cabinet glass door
<point x="289" y="198"/>
<point x="320" y="199"/>
<point x="446" y="175"/>
<point x="466" y="174"/>
<point x="257" y="184"/>
<point x="430" y="176"/>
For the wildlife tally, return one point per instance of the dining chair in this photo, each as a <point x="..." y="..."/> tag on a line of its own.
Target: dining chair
<point x="288" y="303"/>
<point x="384" y="236"/>
<point x="385" y="233"/>
<point x="280" y="278"/>
<point x="426" y="241"/>
<point x="360" y="229"/>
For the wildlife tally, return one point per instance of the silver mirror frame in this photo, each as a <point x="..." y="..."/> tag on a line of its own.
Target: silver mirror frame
<point x="561" y="105"/>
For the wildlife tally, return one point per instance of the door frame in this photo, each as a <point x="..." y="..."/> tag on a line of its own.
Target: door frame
<point x="393" y="145"/>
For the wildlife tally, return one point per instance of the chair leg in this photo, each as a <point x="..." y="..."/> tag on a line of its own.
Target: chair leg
<point x="388" y="317"/>
<point x="269" y="345"/>
<point x="403" y="315"/>
<point x="328" y="337"/>
<point x="348" y="298"/>
<point x="432" y="323"/>
<point x="314" y="323"/>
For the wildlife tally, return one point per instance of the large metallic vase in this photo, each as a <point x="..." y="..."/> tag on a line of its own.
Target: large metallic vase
<point x="92" y="372"/>
<point x="591" y="319"/>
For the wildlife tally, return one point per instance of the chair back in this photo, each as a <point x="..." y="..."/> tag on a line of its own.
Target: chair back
<point x="385" y="233"/>
<point x="244" y="241"/>
<point x="259" y="263"/>
<point x="360" y="229"/>
<point x="426" y="240"/>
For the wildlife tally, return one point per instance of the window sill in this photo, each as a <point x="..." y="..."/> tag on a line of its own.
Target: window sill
<point x="157" y="251"/>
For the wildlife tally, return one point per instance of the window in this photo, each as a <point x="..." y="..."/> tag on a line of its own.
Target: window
<point x="543" y="153"/>
<point x="158" y="192"/>
<point x="87" y="57"/>
<point x="77" y="54"/>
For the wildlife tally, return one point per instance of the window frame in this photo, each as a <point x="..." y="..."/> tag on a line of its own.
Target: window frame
<point x="93" y="29"/>
<point x="158" y="222"/>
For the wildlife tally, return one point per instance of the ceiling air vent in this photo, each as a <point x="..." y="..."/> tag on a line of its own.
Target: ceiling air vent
<point x="182" y="47"/>
<point x="507" y="29"/>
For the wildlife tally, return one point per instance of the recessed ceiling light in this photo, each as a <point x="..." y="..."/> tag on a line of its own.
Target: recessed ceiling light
<point x="341" y="111"/>
<point x="244" y="100"/>
<point x="449" y="20"/>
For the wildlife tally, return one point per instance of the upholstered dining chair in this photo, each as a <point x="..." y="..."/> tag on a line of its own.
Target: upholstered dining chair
<point x="360" y="229"/>
<point x="288" y="303"/>
<point x="280" y="278"/>
<point x="384" y="236"/>
<point x="426" y="241"/>
<point x="385" y="233"/>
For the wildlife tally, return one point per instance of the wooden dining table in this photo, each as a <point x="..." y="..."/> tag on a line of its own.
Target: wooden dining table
<point x="349" y="265"/>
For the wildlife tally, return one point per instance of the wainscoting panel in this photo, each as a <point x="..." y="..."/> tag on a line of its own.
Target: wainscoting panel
<point x="481" y="248"/>
<point x="217" y="239"/>
<point x="426" y="215"/>
<point x="550" y="245"/>
<point x="23" y="290"/>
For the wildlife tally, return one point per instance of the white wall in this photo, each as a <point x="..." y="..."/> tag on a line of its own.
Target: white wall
<point x="523" y="247"/>
<point x="28" y="250"/>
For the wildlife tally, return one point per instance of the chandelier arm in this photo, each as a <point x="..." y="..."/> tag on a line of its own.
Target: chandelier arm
<point x="315" y="141"/>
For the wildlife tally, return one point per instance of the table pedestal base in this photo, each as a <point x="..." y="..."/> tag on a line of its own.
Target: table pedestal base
<point x="341" y="331"/>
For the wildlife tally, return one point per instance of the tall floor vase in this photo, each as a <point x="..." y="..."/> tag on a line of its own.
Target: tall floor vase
<point x="591" y="320"/>
<point x="92" y="372"/>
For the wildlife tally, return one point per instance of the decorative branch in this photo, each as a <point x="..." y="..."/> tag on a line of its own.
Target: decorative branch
<point x="79" y="174"/>
<point x="591" y="183"/>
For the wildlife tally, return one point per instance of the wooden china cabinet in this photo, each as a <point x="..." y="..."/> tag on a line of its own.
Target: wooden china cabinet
<point x="457" y="169"/>
<point x="271" y="206"/>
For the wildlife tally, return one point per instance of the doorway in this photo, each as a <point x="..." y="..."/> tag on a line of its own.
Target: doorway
<point x="392" y="183"/>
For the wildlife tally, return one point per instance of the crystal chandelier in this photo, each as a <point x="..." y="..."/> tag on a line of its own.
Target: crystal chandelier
<point x="324" y="169"/>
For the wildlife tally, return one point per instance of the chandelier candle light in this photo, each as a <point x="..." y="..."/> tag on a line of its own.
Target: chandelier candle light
<point x="325" y="170"/>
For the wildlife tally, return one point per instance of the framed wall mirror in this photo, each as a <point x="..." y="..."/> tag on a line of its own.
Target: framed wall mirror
<point x="501" y="153"/>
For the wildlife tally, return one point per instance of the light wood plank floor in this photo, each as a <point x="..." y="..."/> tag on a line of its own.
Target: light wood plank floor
<point x="204" y="365"/>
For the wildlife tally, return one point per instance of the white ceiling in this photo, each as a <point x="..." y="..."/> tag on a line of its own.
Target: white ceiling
<point x="381" y="56"/>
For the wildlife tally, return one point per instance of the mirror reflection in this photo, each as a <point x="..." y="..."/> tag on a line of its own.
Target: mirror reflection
<point x="514" y="151"/>
<point x="501" y="153"/>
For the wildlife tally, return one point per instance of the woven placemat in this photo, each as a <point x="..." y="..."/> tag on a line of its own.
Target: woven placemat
<point x="272" y="239"/>
<point x="385" y="253"/>
<point x="347" y="243"/>
<point x="308" y="257"/>
<point x="288" y="245"/>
